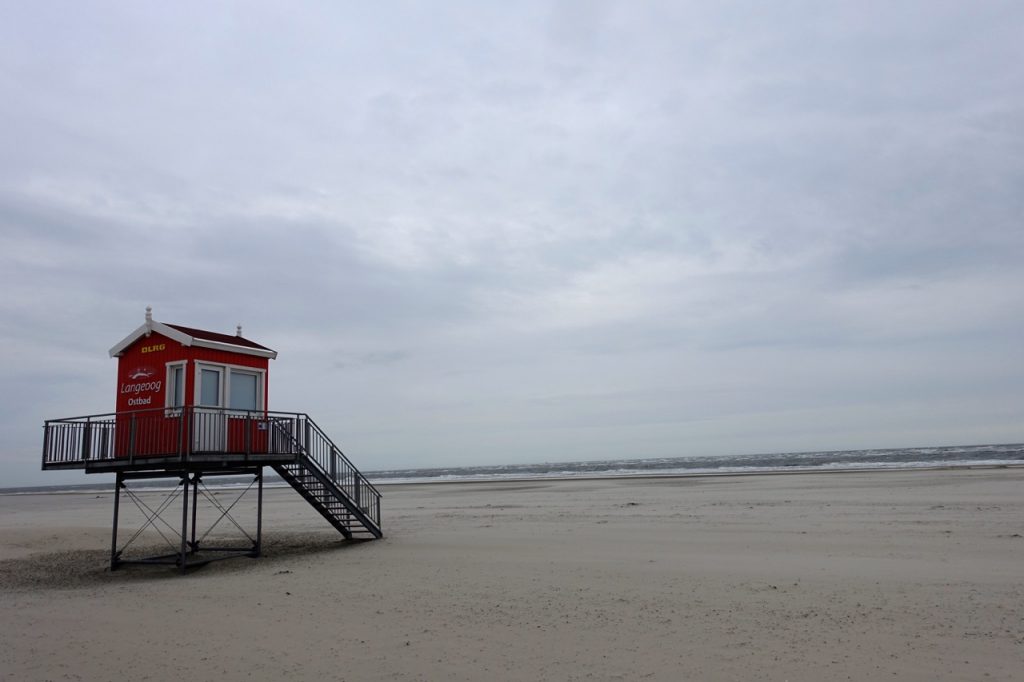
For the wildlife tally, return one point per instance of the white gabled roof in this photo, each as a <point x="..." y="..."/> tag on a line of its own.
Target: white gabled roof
<point x="187" y="336"/>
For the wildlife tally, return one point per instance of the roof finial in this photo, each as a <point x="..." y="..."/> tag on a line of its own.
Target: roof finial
<point x="149" y="319"/>
<point x="238" y="330"/>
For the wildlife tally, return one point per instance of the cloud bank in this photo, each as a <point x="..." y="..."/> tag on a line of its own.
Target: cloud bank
<point x="482" y="234"/>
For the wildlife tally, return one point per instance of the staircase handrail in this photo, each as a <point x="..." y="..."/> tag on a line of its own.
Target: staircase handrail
<point x="66" y="440"/>
<point x="341" y="455"/>
<point x="162" y="437"/>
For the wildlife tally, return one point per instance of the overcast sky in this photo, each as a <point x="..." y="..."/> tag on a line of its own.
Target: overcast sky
<point x="523" y="232"/>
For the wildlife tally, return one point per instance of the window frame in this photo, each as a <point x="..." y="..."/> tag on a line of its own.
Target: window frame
<point x="257" y="388"/>
<point x="226" y="370"/>
<point x="170" y="408"/>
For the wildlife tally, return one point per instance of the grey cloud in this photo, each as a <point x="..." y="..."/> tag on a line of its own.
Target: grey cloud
<point x="484" y="233"/>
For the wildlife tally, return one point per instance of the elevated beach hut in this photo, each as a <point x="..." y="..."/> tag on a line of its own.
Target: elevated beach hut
<point x="191" y="404"/>
<point x="165" y="371"/>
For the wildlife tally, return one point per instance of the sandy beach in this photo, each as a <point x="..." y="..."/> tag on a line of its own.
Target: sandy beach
<point x="860" y="576"/>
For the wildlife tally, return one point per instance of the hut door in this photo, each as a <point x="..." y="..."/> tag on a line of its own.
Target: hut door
<point x="209" y="432"/>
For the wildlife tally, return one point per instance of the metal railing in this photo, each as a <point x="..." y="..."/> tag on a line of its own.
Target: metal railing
<point x="332" y="461"/>
<point x="169" y="437"/>
<point x="182" y="432"/>
<point x="164" y="437"/>
<point x="190" y="433"/>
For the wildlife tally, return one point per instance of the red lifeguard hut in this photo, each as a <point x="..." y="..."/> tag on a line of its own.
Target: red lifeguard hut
<point x="192" y="404"/>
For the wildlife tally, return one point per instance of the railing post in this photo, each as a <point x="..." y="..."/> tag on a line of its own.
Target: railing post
<point x="190" y="431"/>
<point x="87" y="439"/>
<point x="105" y="450"/>
<point x="307" y="437"/>
<point x="131" y="438"/>
<point x="181" y="433"/>
<point x="46" y="441"/>
<point x="248" y="434"/>
<point x="334" y="463"/>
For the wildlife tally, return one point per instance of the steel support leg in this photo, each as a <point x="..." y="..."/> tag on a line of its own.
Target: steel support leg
<point x="195" y="500"/>
<point x="188" y="539"/>
<point x="259" y="513"/>
<point x="118" y="482"/>
<point x="183" y="556"/>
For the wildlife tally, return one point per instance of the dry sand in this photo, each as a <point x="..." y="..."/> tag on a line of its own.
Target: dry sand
<point x="865" y="576"/>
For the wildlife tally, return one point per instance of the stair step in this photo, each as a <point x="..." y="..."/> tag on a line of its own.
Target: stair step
<point x="331" y="499"/>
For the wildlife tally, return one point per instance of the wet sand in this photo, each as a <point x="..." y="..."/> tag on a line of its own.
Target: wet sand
<point x="862" y="576"/>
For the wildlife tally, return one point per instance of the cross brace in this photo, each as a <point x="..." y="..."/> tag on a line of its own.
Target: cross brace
<point x="185" y="553"/>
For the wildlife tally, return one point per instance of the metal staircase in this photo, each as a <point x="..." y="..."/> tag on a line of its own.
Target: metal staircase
<point x="189" y="440"/>
<point x="329" y="500"/>
<point x="329" y="481"/>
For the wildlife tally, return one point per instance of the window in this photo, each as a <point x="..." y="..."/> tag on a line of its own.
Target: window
<point x="233" y="387"/>
<point x="177" y="386"/>
<point x="209" y="388"/>
<point x="244" y="387"/>
<point x="175" y="394"/>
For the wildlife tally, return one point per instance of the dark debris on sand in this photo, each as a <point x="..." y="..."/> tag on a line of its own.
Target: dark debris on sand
<point x="76" y="569"/>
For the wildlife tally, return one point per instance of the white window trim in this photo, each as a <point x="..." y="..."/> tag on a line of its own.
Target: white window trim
<point x="225" y="384"/>
<point x="171" y="409"/>
<point x="259" y="387"/>
<point x="197" y="384"/>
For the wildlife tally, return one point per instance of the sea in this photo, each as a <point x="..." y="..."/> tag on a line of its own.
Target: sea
<point x="886" y="458"/>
